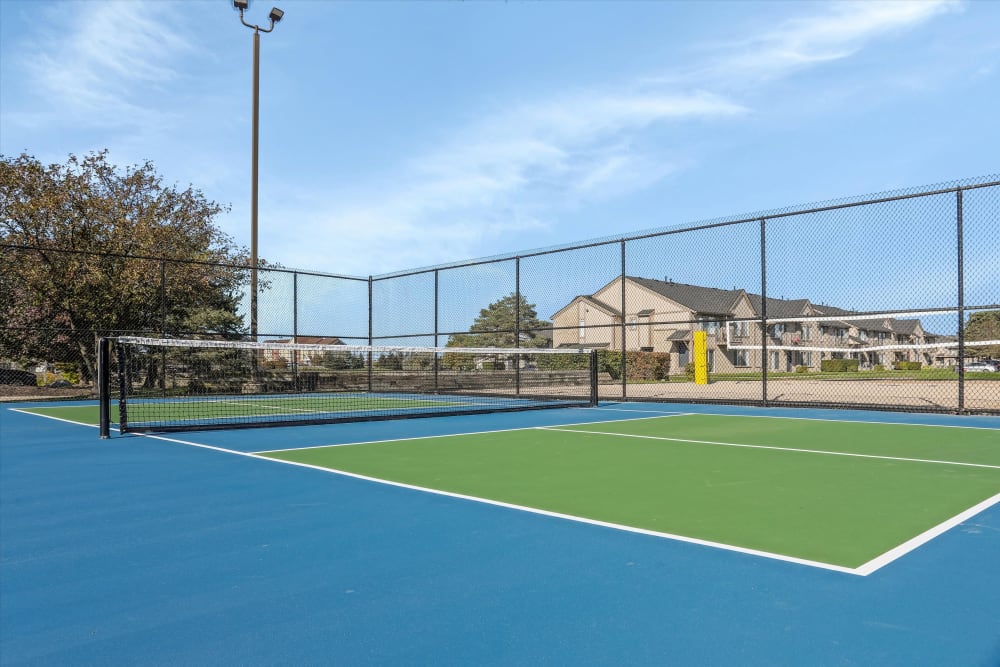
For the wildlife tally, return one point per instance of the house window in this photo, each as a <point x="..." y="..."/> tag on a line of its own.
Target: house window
<point x="710" y="326"/>
<point x="633" y="322"/>
<point x="583" y="329"/>
<point x="740" y="358"/>
<point x="807" y="358"/>
<point x="711" y="361"/>
<point x="645" y="349"/>
<point x="741" y="328"/>
<point x="807" y="332"/>
<point x="776" y="330"/>
<point x="862" y="334"/>
<point x="775" y="360"/>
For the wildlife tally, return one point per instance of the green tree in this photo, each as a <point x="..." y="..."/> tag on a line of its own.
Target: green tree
<point x="70" y="237"/>
<point x="496" y="325"/>
<point x="983" y="325"/>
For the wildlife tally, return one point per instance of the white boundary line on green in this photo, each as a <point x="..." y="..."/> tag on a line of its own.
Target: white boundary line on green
<point x="923" y="538"/>
<point x="808" y="419"/>
<point x="458" y="435"/>
<point x="772" y="447"/>
<point x="28" y="411"/>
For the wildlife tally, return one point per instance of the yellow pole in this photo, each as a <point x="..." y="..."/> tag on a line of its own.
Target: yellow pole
<point x="700" y="357"/>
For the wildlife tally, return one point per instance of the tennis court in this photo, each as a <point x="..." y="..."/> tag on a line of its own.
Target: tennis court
<point x="618" y="533"/>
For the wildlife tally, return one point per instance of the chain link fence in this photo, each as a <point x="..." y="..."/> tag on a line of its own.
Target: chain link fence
<point x="884" y="302"/>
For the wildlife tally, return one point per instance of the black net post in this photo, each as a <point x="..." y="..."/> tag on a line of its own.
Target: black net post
<point x="124" y="382"/>
<point x="104" y="385"/>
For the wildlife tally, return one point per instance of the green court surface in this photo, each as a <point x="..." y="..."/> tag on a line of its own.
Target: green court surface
<point x="80" y="414"/>
<point x="835" y="493"/>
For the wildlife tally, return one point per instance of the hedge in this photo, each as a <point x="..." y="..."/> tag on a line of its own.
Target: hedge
<point x="839" y="365"/>
<point x="907" y="365"/>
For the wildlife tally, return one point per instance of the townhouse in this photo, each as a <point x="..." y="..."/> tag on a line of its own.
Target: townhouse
<point x="662" y="316"/>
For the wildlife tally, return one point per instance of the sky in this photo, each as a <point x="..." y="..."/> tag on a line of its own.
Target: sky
<point x="396" y="135"/>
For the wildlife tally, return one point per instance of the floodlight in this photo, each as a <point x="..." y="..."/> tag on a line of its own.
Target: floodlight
<point x="241" y="4"/>
<point x="275" y="14"/>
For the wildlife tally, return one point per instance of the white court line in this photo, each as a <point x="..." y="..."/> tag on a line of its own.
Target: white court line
<point x="864" y="570"/>
<point x="808" y="419"/>
<point x="772" y="447"/>
<point x="923" y="538"/>
<point x="522" y="508"/>
<point x="457" y="435"/>
<point x="28" y="411"/>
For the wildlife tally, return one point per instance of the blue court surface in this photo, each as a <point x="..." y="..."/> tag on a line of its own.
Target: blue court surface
<point x="183" y="550"/>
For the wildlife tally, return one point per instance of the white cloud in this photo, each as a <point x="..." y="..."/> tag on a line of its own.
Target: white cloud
<point x="95" y="64"/>
<point x="839" y="31"/>
<point x="507" y="174"/>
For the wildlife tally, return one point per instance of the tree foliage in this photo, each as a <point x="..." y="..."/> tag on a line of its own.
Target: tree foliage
<point x="71" y="235"/>
<point x="496" y="325"/>
<point x="983" y="325"/>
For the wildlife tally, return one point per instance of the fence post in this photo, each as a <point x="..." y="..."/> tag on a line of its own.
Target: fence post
<point x="517" y="324"/>
<point x="763" y="310"/>
<point x="436" y="359"/>
<point x="624" y="353"/>
<point x="594" y="394"/>
<point x="295" y="328"/>
<point x="163" y="325"/>
<point x="961" y="301"/>
<point x="370" y="359"/>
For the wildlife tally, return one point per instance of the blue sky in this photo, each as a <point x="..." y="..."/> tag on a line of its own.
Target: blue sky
<point x="400" y="135"/>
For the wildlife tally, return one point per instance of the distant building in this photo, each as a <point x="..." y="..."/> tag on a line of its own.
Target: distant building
<point x="661" y="316"/>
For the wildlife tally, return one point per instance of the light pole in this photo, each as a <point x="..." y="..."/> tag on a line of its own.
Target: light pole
<point x="274" y="17"/>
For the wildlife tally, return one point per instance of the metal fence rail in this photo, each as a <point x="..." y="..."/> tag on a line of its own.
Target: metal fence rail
<point x="885" y="302"/>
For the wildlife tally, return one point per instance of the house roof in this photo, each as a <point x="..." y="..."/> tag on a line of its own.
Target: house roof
<point x="680" y="335"/>
<point x="869" y="325"/>
<point x="610" y="310"/>
<point x="779" y="308"/>
<point x="908" y="327"/>
<point x="699" y="299"/>
<point x="312" y="340"/>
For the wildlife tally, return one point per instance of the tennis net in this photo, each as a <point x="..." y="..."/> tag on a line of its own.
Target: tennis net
<point x="172" y="384"/>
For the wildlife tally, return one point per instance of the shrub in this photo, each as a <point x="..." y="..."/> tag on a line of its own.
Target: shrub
<point x="839" y="365"/>
<point x="69" y="371"/>
<point x="638" y="365"/>
<point x="563" y="362"/>
<point x="907" y="365"/>
<point x="878" y="367"/>
<point x="801" y="369"/>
